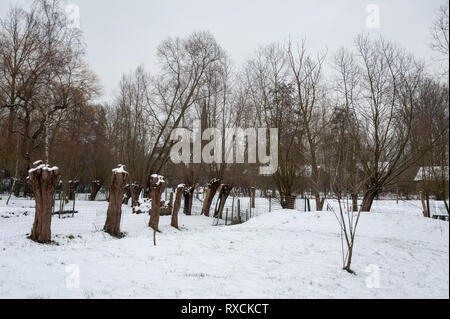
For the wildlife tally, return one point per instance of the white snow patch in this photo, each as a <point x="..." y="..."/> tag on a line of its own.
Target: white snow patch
<point x="43" y="167"/>
<point x="283" y="254"/>
<point x="120" y="170"/>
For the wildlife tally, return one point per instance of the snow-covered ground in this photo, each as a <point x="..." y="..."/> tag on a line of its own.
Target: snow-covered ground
<point x="283" y="254"/>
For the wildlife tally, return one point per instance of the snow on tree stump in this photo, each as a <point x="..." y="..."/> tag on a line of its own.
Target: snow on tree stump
<point x="95" y="188"/>
<point x="144" y="206"/>
<point x="135" y="191"/>
<point x="176" y="205"/>
<point x="211" y="190"/>
<point x="43" y="181"/>
<point x="157" y="185"/>
<point x="118" y="179"/>
<point x="73" y="185"/>
<point x="166" y="207"/>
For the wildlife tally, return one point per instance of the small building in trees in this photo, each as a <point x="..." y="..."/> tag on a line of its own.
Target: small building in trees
<point x="433" y="180"/>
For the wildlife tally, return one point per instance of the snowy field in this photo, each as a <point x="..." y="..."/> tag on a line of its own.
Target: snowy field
<point x="283" y="254"/>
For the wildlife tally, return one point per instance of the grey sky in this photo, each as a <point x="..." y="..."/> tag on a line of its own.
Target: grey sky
<point x="123" y="34"/>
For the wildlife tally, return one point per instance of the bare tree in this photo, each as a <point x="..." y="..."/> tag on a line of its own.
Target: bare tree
<point x="440" y="32"/>
<point x="44" y="77"/>
<point x="344" y="122"/>
<point x="389" y="83"/>
<point x="184" y="63"/>
<point x="268" y="92"/>
<point x="430" y="139"/>
<point x="307" y="76"/>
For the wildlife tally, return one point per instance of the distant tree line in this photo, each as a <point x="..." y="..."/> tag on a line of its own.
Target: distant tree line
<point x="361" y="129"/>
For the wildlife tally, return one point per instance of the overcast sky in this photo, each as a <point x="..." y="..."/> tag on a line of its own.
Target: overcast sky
<point x="122" y="34"/>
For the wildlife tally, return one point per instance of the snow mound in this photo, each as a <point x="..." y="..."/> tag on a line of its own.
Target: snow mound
<point x="285" y="216"/>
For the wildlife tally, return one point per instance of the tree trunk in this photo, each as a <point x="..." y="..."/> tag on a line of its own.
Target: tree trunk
<point x="224" y="192"/>
<point x="43" y="181"/>
<point x="355" y="202"/>
<point x="118" y="179"/>
<point x="157" y="185"/>
<point x="426" y="212"/>
<point x="253" y="193"/>
<point x="73" y="185"/>
<point x="95" y="187"/>
<point x="319" y="202"/>
<point x="349" y="260"/>
<point x="176" y="206"/>
<point x="126" y="194"/>
<point x="188" y="199"/>
<point x="16" y="174"/>
<point x="368" y="199"/>
<point x="135" y="191"/>
<point x="211" y="190"/>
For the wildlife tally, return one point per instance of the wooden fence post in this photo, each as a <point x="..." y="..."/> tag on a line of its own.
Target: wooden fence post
<point x="270" y="203"/>
<point x="239" y="211"/>
<point x="426" y="213"/>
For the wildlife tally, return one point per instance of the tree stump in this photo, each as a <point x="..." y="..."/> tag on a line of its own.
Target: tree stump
<point x="157" y="185"/>
<point x="73" y="185"/>
<point x="95" y="188"/>
<point x="188" y="200"/>
<point x="135" y="191"/>
<point x="118" y="179"/>
<point x="320" y="201"/>
<point x="176" y="206"/>
<point x="224" y="192"/>
<point x="211" y="190"/>
<point x="288" y="202"/>
<point x="126" y="194"/>
<point x="43" y="181"/>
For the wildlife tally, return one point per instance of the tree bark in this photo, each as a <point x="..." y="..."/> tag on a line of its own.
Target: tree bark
<point x="127" y="194"/>
<point x="95" y="187"/>
<point x="211" y="190"/>
<point x="43" y="181"/>
<point x="118" y="179"/>
<point x="157" y="185"/>
<point x="355" y="202"/>
<point x="176" y="206"/>
<point x="135" y="191"/>
<point x="253" y="193"/>
<point x="368" y="199"/>
<point x="289" y="202"/>
<point x="73" y="185"/>
<point x="319" y="202"/>
<point x="188" y="199"/>
<point x="426" y="212"/>
<point x="224" y="192"/>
